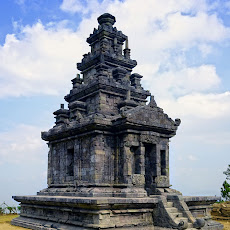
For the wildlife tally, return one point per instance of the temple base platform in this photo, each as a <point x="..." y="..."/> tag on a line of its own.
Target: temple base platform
<point x="157" y="212"/>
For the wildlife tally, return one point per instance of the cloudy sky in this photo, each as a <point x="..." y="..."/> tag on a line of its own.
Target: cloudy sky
<point x="182" y="48"/>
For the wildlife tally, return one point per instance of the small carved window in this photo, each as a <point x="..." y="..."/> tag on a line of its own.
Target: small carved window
<point x="163" y="163"/>
<point x="70" y="162"/>
<point x="136" y="159"/>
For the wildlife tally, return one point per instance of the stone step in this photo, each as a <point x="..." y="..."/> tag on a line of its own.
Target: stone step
<point x="170" y="204"/>
<point x="178" y="219"/>
<point x="176" y="214"/>
<point x="172" y="210"/>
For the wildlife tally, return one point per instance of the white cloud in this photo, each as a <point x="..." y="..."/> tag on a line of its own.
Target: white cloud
<point x="205" y="49"/>
<point x="186" y="30"/>
<point x="22" y="143"/>
<point x="208" y="106"/>
<point x="23" y="161"/>
<point x="168" y="24"/>
<point x="82" y="6"/>
<point x="73" y="6"/>
<point x="174" y="83"/>
<point x="39" y="60"/>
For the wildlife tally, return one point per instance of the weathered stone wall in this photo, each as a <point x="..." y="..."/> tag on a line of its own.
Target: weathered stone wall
<point x="109" y="103"/>
<point x="104" y="103"/>
<point x="131" y="159"/>
<point x="92" y="214"/>
<point x="133" y="170"/>
<point x="59" y="172"/>
<point x="92" y="161"/>
<point x="143" y="160"/>
<point x="104" y="159"/>
<point x="92" y="103"/>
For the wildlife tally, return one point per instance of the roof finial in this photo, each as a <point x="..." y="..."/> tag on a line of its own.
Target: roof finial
<point x="127" y="43"/>
<point x="152" y="102"/>
<point x="127" y="50"/>
<point x="115" y="41"/>
<point x="106" y="18"/>
<point x="128" y="95"/>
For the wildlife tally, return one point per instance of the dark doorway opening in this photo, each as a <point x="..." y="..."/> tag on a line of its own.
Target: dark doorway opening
<point x="150" y="166"/>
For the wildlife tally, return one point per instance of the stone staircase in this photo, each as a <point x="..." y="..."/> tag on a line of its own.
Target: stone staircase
<point x="177" y="216"/>
<point x="174" y="213"/>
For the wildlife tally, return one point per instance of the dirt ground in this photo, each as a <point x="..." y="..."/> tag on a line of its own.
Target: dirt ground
<point x="5" y="223"/>
<point x="226" y="224"/>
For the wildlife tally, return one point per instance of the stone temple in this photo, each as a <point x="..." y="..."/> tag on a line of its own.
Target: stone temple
<point x="108" y="160"/>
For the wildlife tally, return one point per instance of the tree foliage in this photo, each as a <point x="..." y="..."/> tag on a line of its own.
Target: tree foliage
<point x="225" y="191"/>
<point x="5" y="209"/>
<point x="227" y="173"/>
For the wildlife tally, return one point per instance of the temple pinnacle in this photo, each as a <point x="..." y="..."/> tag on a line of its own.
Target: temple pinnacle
<point x="106" y="18"/>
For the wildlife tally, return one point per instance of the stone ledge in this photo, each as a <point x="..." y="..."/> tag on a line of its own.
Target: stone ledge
<point x="50" y="225"/>
<point x="86" y="200"/>
<point x="201" y="198"/>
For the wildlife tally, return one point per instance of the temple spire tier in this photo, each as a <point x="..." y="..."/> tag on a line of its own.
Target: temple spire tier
<point x="106" y="44"/>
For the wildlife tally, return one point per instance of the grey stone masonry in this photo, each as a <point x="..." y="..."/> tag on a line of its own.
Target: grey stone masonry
<point x="108" y="160"/>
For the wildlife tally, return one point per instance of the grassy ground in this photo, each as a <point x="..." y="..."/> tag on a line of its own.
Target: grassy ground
<point x="5" y="223"/>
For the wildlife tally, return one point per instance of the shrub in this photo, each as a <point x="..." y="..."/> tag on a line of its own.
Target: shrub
<point x="1" y="210"/>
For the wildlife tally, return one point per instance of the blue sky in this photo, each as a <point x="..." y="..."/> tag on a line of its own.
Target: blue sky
<point x="182" y="49"/>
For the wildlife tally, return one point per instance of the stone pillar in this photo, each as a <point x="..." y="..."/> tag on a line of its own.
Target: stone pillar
<point x="158" y="161"/>
<point x="162" y="179"/>
<point x="50" y="167"/>
<point x="138" y="174"/>
<point x="128" y="169"/>
<point x="70" y="162"/>
<point x="77" y="162"/>
<point x="62" y="152"/>
<point x="142" y="158"/>
<point x="56" y="164"/>
<point x="98" y="159"/>
<point x="167" y="162"/>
